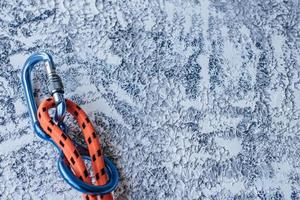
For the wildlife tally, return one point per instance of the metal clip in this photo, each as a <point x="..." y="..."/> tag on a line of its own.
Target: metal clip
<point x="55" y="86"/>
<point x="56" y="89"/>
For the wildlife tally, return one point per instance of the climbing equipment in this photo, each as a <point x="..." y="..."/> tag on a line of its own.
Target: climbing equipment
<point x="71" y="155"/>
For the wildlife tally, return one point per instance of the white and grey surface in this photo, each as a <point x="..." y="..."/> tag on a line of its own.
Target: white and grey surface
<point x="198" y="99"/>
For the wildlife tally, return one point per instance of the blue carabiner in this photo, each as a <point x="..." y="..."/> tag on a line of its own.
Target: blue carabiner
<point x="65" y="171"/>
<point x="56" y="90"/>
<point x="27" y="85"/>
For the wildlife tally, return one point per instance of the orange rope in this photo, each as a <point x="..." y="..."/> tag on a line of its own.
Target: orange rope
<point x="68" y="148"/>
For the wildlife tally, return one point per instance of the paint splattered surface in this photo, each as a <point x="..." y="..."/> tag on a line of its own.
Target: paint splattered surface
<point x="198" y="99"/>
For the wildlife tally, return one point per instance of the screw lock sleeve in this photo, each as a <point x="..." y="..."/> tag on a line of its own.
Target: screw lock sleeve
<point x="55" y="84"/>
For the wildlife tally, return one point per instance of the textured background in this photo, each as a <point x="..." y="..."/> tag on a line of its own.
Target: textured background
<point x="198" y="99"/>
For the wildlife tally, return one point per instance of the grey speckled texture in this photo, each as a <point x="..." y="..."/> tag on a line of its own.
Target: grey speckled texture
<point x="197" y="99"/>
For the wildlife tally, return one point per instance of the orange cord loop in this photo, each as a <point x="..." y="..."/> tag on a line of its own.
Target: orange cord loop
<point x="69" y="150"/>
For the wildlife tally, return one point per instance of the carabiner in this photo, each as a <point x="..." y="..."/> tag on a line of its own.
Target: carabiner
<point x="54" y="85"/>
<point x="56" y="89"/>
